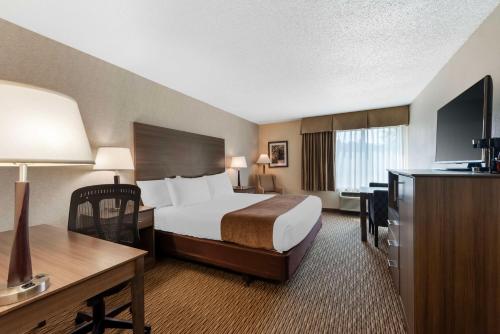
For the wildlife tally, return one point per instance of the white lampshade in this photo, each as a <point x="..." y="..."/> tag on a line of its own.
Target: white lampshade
<point x="113" y="158"/>
<point x="263" y="159"/>
<point x="238" y="162"/>
<point x="40" y="127"/>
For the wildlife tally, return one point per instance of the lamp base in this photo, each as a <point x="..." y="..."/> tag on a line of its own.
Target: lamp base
<point x="31" y="288"/>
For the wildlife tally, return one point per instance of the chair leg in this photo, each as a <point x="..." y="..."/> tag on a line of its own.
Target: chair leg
<point x="117" y="310"/>
<point x="83" y="329"/>
<point x="82" y="317"/>
<point x="123" y="324"/>
<point x="98" y="317"/>
<point x="376" y="235"/>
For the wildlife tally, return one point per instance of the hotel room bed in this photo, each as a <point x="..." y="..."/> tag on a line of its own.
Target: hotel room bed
<point x="203" y="220"/>
<point x="194" y="231"/>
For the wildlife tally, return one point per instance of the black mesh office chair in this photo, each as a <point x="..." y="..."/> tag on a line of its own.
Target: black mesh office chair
<point x="378" y="209"/>
<point x="108" y="212"/>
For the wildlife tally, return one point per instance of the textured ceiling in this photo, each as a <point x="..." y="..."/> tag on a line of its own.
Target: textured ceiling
<point x="267" y="60"/>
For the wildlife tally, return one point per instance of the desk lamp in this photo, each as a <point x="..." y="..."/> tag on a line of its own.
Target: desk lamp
<point x="38" y="127"/>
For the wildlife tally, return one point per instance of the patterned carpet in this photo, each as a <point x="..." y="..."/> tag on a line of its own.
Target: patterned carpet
<point x="342" y="286"/>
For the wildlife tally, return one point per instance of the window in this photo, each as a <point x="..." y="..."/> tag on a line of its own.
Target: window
<point x="363" y="156"/>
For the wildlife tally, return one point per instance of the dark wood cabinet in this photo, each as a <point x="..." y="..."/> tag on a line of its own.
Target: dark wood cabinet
<point x="147" y="235"/>
<point x="444" y="233"/>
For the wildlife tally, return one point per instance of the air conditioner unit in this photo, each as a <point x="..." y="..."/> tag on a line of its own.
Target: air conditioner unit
<point x="349" y="201"/>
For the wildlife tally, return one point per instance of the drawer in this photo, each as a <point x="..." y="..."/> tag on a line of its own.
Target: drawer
<point x="146" y="219"/>
<point x="393" y="226"/>
<point x="393" y="262"/>
<point x="393" y="214"/>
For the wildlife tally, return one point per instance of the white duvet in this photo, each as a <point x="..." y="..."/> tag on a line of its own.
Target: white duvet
<point x="203" y="220"/>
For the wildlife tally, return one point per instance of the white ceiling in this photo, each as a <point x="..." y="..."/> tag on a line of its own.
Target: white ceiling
<point x="267" y="60"/>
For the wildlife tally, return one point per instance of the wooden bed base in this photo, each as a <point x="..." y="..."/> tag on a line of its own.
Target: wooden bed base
<point x="250" y="261"/>
<point x="160" y="152"/>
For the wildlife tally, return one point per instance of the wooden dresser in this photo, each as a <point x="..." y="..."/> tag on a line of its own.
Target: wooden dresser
<point x="444" y="250"/>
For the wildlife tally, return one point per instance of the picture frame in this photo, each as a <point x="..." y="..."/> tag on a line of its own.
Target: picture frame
<point x="278" y="153"/>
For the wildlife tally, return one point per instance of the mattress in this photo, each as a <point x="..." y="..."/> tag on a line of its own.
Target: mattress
<point x="203" y="220"/>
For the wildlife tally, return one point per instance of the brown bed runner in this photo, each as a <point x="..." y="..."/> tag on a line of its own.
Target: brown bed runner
<point x="253" y="226"/>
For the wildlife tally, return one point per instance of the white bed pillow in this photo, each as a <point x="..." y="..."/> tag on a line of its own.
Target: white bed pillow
<point x="154" y="193"/>
<point x="219" y="185"/>
<point x="188" y="191"/>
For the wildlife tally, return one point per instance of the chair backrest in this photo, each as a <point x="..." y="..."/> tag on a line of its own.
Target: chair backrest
<point x="108" y="211"/>
<point x="379" y="206"/>
<point x="266" y="181"/>
<point x="378" y="184"/>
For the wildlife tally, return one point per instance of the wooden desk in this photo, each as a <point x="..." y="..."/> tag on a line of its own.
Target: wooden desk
<point x="79" y="267"/>
<point x="364" y="194"/>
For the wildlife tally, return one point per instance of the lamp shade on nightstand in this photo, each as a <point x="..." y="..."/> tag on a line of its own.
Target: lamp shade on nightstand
<point x="113" y="158"/>
<point x="238" y="163"/>
<point x="37" y="127"/>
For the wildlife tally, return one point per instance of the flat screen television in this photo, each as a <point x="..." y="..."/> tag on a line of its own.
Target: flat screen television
<point x="466" y="117"/>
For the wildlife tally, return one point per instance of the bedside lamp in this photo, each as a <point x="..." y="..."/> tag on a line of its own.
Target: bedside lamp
<point x="38" y="127"/>
<point x="263" y="160"/>
<point x="238" y="163"/>
<point x="115" y="159"/>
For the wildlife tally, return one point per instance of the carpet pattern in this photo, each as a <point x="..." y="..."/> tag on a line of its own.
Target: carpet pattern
<point x="342" y="286"/>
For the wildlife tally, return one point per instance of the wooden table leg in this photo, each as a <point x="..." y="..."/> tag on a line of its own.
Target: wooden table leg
<point x="137" y="288"/>
<point x="362" y="216"/>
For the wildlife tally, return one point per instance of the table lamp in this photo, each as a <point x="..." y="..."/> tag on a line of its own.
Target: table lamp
<point x="114" y="159"/>
<point x="238" y="163"/>
<point x="263" y="160"/>
<point x="38" y="128"/>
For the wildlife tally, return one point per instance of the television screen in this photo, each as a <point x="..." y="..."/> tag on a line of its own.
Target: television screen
<point x="459" y="122"/>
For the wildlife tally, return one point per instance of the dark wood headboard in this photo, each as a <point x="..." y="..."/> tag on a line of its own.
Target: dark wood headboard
<point x="162" y="152"/>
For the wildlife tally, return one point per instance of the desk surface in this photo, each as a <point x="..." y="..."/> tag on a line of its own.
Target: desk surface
<point x="370" y="190"/>
<point x="69" y="258"/>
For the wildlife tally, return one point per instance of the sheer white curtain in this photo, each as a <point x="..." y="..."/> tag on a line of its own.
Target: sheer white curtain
<point x="363" y="156"/>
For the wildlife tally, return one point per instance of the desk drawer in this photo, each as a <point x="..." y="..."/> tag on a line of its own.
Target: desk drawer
<point x="393" y="262"/>
<point x="146" y="219"/>
<point x="393" y="226"/>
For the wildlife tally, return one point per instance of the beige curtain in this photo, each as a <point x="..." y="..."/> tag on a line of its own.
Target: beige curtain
<point x="374" y="118"/>
<point x="316" y="124"/>
<point x="318" y="161"/>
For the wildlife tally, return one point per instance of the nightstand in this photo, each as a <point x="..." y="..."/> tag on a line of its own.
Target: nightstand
<point x="244" y="189"/>
<point x="146" y="228"/>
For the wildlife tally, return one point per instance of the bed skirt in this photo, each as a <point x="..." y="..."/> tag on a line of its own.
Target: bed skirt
<point x="250" y="261"/>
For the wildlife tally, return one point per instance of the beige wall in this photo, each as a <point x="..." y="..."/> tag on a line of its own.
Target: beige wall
<point x="110" y="99"/>
<point x="289" y="177"/>
<point x="479" y="56"/>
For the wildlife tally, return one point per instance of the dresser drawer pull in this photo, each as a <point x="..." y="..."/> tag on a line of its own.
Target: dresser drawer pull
<point x="391" y="222"/>
<point x="392" y="243"/>
<point x="392" y="263"/>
